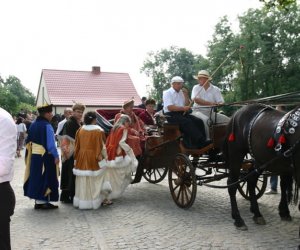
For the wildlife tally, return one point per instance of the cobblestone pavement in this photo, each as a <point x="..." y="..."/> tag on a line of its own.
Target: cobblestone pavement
<point x="147" y="218"/>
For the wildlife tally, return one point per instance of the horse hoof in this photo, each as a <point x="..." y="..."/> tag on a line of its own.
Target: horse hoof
<point x="259" y="220"/>
<point x="286" y="218"/>
<point x="241" y="226"/>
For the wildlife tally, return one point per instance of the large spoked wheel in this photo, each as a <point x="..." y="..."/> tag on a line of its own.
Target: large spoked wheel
<point x="259" y="189"/>
<point x="155" y="175"/>
<point x="182" y="181"/>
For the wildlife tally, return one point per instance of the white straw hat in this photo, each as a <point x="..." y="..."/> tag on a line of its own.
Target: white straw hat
<point x="202" y="73"/>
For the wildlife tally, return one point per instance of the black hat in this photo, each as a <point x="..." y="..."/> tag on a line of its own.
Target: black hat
<point x="45" y="108"/>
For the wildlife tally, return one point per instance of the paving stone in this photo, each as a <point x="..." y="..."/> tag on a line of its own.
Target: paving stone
<point x="147" y="218"/>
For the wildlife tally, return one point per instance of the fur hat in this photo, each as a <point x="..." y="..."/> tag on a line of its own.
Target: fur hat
<point x="45" y="108"/>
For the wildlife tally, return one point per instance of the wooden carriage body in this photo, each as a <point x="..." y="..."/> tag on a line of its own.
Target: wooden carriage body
<point x="164" y="154"/>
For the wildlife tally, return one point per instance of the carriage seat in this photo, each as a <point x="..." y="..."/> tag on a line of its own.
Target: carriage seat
<point x="218" y="134"/>
<point x="171" y="131"/>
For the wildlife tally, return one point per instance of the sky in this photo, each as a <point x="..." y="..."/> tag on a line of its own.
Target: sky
<point x="116" y="35"/>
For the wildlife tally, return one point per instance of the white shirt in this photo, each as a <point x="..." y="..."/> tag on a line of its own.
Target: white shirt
<point x="8" y="145"/>
<point x="21" y="127"/>
<point x="212" y="94"/>
<point x="60" y="126"/>
<point x="172" y="97"/>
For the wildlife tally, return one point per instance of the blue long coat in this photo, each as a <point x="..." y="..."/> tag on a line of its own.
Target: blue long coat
<point x="41" y="175"/>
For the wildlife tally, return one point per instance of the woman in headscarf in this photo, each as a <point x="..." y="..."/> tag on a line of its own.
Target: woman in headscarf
<point x="136" y="132"/>
<point x="121" y="160"/>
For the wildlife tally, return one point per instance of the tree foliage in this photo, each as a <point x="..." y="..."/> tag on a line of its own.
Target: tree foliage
<point x="268" y="65"/>
<point x="162" y="65"/>
<point x="14" y="96"/>
<point x="280" y="4"/>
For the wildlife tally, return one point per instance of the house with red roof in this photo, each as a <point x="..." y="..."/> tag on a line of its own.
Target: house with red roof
<point x="95" y="89"/>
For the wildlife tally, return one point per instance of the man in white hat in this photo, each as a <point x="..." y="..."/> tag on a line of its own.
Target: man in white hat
<point x="205" y="96"/>
<point x="176" y="107"/>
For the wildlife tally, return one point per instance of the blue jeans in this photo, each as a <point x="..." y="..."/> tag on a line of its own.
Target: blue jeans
<point x="273" y="182"/>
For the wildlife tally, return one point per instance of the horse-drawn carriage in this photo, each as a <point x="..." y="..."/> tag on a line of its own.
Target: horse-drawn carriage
<point x="164" y="154"/>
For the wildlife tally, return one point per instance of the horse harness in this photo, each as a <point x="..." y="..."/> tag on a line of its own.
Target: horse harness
<point x="251" y="126"/>
<point x="286" y="126"/>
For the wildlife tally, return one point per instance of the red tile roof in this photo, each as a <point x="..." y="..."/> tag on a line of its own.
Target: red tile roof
<point x="91" y="89"/>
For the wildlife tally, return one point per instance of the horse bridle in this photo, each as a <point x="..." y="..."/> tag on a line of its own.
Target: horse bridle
<point x="286" y="126"/>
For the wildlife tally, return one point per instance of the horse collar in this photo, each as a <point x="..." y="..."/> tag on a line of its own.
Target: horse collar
<point x="251" y="126"/>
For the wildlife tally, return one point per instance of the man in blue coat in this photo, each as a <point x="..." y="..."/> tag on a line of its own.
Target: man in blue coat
<point x="41" y="175"/>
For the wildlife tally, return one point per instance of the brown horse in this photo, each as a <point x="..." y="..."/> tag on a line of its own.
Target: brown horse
<point x="272" y="138"/>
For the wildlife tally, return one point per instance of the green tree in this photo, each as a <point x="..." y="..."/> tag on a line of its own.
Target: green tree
<point x="280" y="4"/>
<point x="162" y="65"/>
<point x="8" y="101"/>
<point x="14" y="85"/>
<point x="14" y="96"/>
<point x="269" y="64"/>
<point x="221" y="54"/>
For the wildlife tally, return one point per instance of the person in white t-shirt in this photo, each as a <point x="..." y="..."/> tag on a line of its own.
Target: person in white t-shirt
<point x="8" y="145"/>
<point x="21" y="128"/>
<point x="176" y="109"/>
<point x="67" y="114"/>
<point x="206" y="96"/>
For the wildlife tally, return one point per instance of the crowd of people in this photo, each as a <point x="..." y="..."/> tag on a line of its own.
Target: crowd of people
<point x="95" y="167"/>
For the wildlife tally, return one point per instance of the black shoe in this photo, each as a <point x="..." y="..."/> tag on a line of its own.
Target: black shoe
<point x="67" y="201"/>
<point x="45" y="206"/>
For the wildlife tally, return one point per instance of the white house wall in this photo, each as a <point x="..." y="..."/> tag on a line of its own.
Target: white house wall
<point x="42" y="96"/>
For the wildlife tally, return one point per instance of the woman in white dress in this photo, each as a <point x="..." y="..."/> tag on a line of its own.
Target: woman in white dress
<point x="121" y="160"/>
<point x="90" y="153"/>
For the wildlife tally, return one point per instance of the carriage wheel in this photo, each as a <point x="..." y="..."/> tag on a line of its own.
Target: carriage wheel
<point x="260" y="188"/>
<point x="155" y="175"/>
<point x="182" y="181"/>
